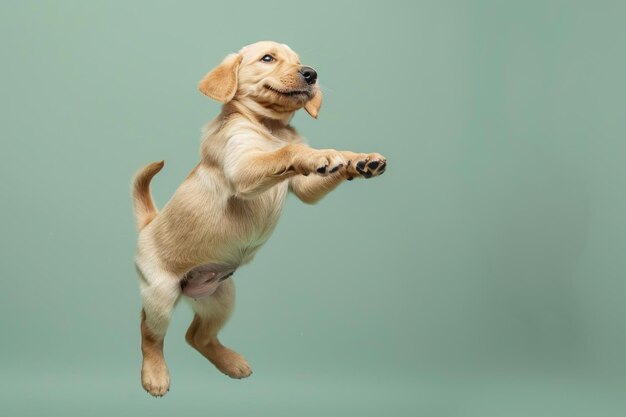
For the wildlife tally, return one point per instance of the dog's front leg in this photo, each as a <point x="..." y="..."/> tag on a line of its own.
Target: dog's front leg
<point x="312" y="189"/>
<point x="252" y="172"/>
<point x="358" y="165"/>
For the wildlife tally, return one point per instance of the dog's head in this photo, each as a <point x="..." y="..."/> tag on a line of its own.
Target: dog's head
<point x="267" y="75"/>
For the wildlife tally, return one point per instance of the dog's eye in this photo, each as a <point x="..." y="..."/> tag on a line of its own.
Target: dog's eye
<point x="267" y="58"/>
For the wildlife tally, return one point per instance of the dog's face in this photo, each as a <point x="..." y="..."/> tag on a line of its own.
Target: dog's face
<point x="271" y="73"/>
<point x="268" y="73"/>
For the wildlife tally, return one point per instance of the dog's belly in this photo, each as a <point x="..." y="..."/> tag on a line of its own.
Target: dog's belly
<point x="208" y="229"/>
<point x="204" y="280"/>
<point x="251" y="225"/>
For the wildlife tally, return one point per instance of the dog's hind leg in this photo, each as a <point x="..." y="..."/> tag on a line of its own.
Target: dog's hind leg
<point x="212" y="312"/>
<point x="159" y="292"/>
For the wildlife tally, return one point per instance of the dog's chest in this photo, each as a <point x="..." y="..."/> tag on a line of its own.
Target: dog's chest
<point x="254" y="220"/>
<point x="250" y="223"/>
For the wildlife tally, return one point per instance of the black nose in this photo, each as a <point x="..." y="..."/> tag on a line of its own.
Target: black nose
<point x="309" y="74"/>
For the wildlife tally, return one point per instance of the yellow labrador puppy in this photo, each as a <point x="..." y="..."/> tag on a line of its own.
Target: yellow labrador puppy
<point x="227" y="207"/>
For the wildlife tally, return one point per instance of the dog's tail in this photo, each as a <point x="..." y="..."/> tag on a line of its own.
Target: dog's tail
<point x="143" y="205"/>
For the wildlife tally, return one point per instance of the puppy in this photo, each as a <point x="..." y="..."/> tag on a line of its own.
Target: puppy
<point x="229" y="204"/>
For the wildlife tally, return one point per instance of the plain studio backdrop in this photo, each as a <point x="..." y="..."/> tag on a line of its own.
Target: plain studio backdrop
<point x="482" y="275"/>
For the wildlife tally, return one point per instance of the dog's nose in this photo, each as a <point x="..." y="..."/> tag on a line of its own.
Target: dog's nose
<point x="309" y="74"/>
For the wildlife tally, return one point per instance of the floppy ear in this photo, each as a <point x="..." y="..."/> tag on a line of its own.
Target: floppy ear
<point x="313" y="105"/>
<point x="221" y="83"/>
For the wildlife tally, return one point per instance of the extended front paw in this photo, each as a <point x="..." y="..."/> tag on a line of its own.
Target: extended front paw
<point x="365" y="165"/>
<point x="321" y="162"/>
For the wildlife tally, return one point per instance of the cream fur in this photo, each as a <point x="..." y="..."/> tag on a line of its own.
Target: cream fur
<point x="230" y="203"/>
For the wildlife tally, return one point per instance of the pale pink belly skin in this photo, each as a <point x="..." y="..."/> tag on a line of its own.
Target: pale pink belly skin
<point x="204" y="280"/>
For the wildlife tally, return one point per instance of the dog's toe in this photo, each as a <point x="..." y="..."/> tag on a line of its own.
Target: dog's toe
<point x="155" y="379"/>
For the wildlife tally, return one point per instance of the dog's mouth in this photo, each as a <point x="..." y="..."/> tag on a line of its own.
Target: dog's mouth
<point x="289" y="93"/>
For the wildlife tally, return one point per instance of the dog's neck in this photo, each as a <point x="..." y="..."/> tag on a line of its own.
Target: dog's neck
<point x="270" y="118"/>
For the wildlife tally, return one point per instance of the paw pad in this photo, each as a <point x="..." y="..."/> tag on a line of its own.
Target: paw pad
<point x="368" y="168"/>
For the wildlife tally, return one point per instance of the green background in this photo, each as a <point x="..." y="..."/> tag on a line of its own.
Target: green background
<point x="483" y="275"/>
